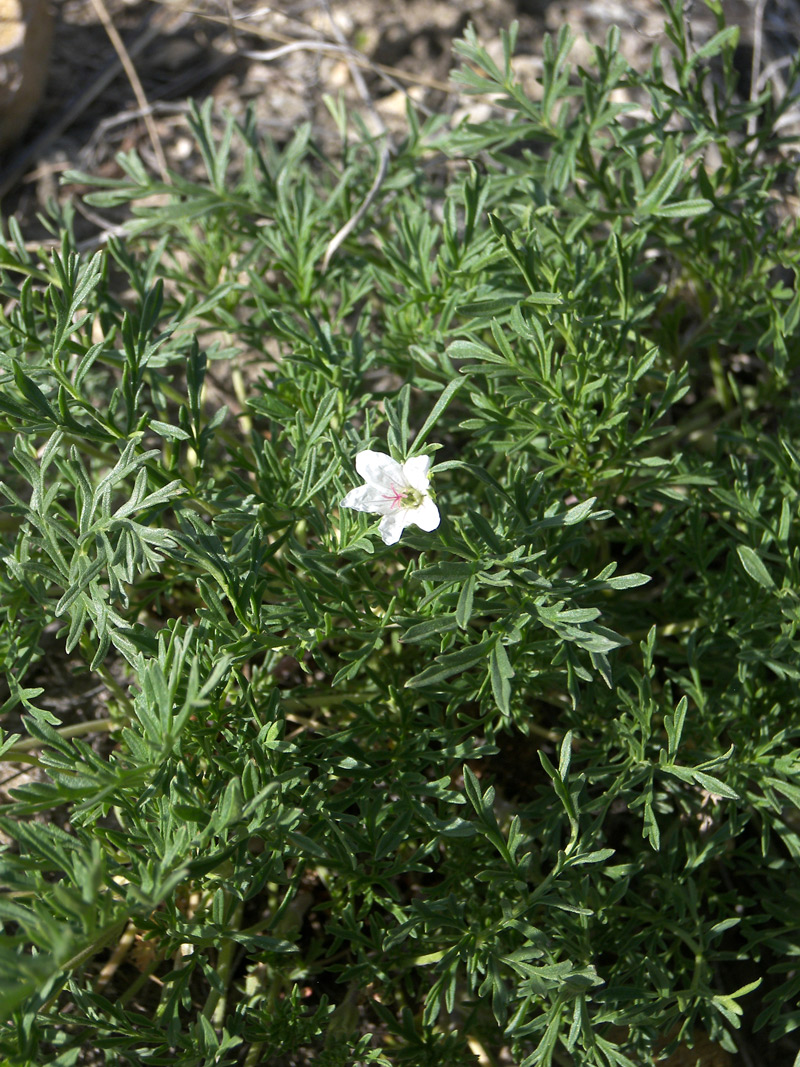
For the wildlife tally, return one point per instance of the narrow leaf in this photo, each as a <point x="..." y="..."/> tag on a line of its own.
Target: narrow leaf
<point x="752" y="563"/>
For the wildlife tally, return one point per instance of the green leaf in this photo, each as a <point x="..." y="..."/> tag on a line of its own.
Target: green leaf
<point x="579" y="512"/>
<point x="684" y="209"/>
<point x="673" y="723"/>
<point x="173" y="433"/>
<point x="725" y="38"/>
<point x="33" y="394"/>
<point x="465" y="601"/>
<point x="661" y="186"/>
<point x="436" y="412"/>
<point x="752" y="563"/>
<point x="501" y="672"/>
<point x="451" y="663"/>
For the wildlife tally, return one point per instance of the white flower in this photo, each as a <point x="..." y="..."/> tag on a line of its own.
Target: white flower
<point x="398" y="491"/>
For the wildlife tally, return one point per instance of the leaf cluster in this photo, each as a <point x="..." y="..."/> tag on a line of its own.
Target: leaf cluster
<point x="526" y="786"/>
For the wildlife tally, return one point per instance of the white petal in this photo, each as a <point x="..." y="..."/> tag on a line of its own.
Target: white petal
<point x="393" y="524"/>
<point x="426" y="516"/>
<point x="416" y="472"/>
<point x="367" y="498"/>
<point x="378" y="469"/>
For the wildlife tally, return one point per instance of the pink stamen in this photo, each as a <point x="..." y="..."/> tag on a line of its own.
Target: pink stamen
<point x="395" y="496"/>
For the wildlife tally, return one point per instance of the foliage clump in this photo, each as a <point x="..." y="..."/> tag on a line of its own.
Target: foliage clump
<point x="520" y="789"/>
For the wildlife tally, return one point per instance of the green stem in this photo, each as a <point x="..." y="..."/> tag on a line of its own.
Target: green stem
<point x="253" y="1058"/>
<point x="78" y="729"/>
<point x="217" y="1003"/>
<point x="86" y="954"/>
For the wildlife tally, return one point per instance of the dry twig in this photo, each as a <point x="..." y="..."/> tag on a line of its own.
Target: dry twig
<point x="136" y="85"/>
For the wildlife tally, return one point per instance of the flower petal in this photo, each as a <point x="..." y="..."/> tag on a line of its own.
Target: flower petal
<point x="367" y="498"/>
<point x="393" y="524"/>
<point x="426" y="516"/>
<point x="378" y="469"/>
<point x="416" y="472"/>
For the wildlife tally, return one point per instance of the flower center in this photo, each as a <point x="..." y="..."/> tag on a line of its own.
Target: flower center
<point x="405" y="498"/>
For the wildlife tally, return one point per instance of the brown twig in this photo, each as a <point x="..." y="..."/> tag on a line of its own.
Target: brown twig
<point x="232" y="24"/>
<point x="136" y="85"/>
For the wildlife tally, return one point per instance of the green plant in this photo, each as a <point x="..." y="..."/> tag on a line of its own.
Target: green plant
<point x="526" y="782"/>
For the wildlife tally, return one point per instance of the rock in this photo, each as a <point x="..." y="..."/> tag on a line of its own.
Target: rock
<point x="26" y="31"/>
